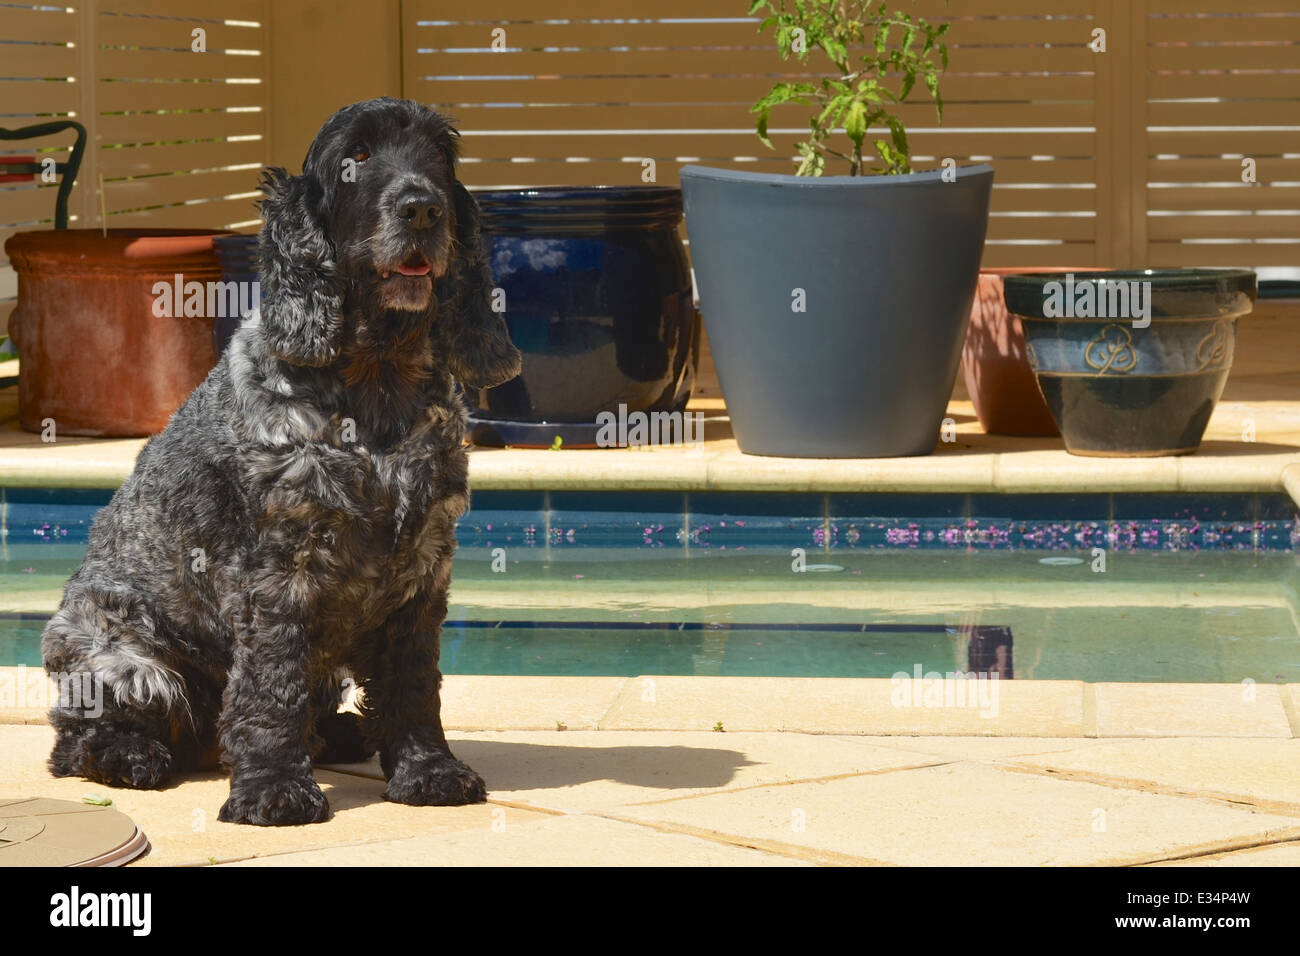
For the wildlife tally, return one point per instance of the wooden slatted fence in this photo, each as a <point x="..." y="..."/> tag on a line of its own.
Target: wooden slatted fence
<point x="1131" y="156"/>
<point x="1087" y="140"/>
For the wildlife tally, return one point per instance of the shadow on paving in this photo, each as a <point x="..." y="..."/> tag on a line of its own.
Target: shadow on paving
<point x="525" y="766"/>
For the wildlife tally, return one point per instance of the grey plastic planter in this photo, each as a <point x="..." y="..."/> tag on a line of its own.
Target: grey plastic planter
<point x="888" y="267"/>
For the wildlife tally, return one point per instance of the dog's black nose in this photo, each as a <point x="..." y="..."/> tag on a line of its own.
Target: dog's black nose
<point x="418" y="209"/>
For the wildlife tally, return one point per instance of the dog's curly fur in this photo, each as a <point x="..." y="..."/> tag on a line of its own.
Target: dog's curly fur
<point x="296" y="517"/>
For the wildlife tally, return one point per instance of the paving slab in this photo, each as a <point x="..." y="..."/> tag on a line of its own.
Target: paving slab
<point x="645" y="468"/>
<point x="849" y="706"/>
<point x="1234" y="465"/>
<point x="972" y="814"/>
<point x="1191" y="710"/>
<point x="1262" y="772"/>
<point x="556" y="841"/>
<point x="24" y="715"/>
<point x="980" y="748"/>
<point x="576" y="771"/>
<point x="181" y="821"/>
<point x="472" y="702"/>
<point x="949" y="469"/>
<point x="1279" y="854"/>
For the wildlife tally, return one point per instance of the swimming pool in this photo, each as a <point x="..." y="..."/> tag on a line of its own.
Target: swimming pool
<point x="1164" y="588"/>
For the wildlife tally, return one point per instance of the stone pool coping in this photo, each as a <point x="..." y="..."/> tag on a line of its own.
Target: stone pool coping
<point x="1262" y="394"/>
<point x="821" y="705"/>
<point x="974" y="463"/>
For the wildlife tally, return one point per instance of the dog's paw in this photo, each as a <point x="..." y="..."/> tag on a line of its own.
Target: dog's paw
<point x="441" y="781"/>
<point x="128" y="760"/>
<point x="279" y="804"/>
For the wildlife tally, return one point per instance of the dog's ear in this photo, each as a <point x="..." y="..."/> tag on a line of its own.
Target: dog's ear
<point x="301" y="295"/>
<point x="448" y="142"/>
<point x="470" y="336"/>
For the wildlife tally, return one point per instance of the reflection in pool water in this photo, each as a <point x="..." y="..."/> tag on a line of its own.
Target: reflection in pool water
<point x="1191" y="589"/>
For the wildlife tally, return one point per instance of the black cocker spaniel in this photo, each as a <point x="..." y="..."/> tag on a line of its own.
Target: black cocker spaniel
<point x="294" y="523"/>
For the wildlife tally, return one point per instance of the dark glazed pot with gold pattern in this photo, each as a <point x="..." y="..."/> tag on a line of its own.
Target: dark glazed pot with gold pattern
<point x="1131" y="363"/>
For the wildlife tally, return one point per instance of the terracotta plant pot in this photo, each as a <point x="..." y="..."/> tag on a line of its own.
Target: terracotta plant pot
<point x="93" y="355"/>
<point x="998" y="377"/>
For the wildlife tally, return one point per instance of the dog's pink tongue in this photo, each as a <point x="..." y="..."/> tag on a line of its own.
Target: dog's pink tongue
<point x="421" y="270"/>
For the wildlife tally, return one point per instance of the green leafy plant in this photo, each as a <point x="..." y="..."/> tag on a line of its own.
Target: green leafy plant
<point x="877" y="58"/>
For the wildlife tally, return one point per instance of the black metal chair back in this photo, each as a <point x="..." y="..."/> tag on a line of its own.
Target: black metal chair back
<point x="67" y="174"/>
<point x="67" y="170"/>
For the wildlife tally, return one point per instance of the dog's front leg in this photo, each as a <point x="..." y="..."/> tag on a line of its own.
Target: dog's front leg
<point x="265" y="725"/>
<point x="402" y="708"/>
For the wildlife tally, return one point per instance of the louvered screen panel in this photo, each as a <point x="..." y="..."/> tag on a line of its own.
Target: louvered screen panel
<point x="181" y="134"/>
<point x="1214" y="68"/>
<point x="1022" y="92"/>
<point x="577" y="98"/>
<point x="38" y="58"/>
<point x="584" y="94"/>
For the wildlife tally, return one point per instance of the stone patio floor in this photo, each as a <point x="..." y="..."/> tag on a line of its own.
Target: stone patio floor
<point x="1064" y="774"/>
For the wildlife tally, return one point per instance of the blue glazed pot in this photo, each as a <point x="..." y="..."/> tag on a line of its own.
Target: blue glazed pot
<point x="1131" y="363"/>
<point x="598" y="300"/>
<point x="238" y="255"/>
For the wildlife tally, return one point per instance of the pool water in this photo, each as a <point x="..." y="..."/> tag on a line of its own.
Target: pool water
<point x="1085" y="587"/>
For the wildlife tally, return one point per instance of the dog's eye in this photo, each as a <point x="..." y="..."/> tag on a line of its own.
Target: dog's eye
<point x="359" y="154"/>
